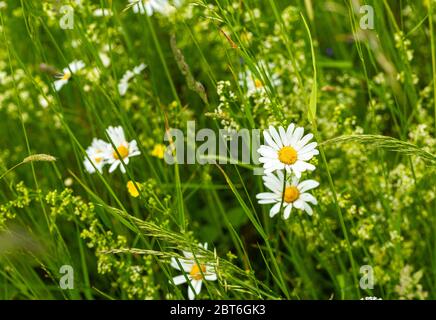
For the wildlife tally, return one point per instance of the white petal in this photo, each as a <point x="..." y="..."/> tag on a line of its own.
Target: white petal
<point x="275" y="135"/>
<point x="283" y="136"/>
<point x="88" y="166"/>
<point x="275" y="209"/>
<point x="134" y="153"/>
<point x="275" y="166"/>
<point x="267" y="201"/>
<point x="266" y="196"/>
<point x="58" y="84"/>
<point x="270" y="141"/>
<point x="179" y="279"/>
<point x="303" y="141"/>
<point x="122" y="168"/>
<point x="303" y="166"/>
<point x="211" y="277"/>
<point x="280" y="178"/>
<point x="296" y="172"/>
<point x="268" y="162"/>
<point x="290" y="131"/>
<point x="308" y="147"/>
<point x="191" y="294"/>
<point x="308" y="198"/>
<point x="268" y="152"/>
<point x="307" y="155"/>
<point x="299" y="204"/>
<point x="197" y="287"/>
<point x="210" y="272"/>
<point x="274" y="187"/>
<point x="287" y="211"/>
<point x="113" y="166"/>
<point x="273" y="183"/>
<point x="308" y="209"/>
<point x="187" y="267"/>
<point x="148" y="8"/>
<point x="305" y="185"/>
<point x="174" y="264"/>
<point x="298" y="133"/>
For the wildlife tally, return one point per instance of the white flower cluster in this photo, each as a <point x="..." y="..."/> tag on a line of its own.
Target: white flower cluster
<point x="100" y="152"/>
<point x="123" y="85"/>
<point x="285" y="156"/>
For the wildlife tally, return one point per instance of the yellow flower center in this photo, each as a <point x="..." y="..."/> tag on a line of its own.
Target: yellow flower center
<point x="287" y="155"/>
<point x="258" y="84"/>
<point x="291" y="194"/>
<point x="66" y="76"/>
<point x="98" y="159"/>
<point x="123" y="151"/>
<point x="195" y="272"/>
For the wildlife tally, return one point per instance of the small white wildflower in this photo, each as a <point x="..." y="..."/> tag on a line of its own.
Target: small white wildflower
<point x="66" y="74"/>
<point x="287" y="150"/>
<point x="253" y="84"/>
<point x="96" y="154"/>
<point x="124" y="149"/>
<point x="194" y="271"/>
<point x="295" y="196"/>
<point x="123" y="85"/>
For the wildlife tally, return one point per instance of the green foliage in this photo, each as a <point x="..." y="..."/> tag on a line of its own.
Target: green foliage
<point x="368" y="96"/>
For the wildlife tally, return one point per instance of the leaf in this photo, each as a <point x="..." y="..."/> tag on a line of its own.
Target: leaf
<point x="311" y="114"/>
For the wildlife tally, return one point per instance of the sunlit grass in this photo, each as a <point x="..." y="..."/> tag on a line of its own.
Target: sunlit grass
<point x="367" y="95"/>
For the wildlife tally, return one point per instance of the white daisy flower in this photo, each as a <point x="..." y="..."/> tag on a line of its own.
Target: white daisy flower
<point x="149" y="6"/>
<point x="66" y="74"/>
<point x="253" y="84"/>
<point x="96" y="154"/>
<point x="193" y="272"/>
<point x="295" y="194"/>
<point x="124" y="149"/>
<point x="287" y="150"/>
<point x="123" y="85"/>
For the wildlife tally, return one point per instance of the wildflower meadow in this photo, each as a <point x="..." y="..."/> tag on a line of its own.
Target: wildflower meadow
<point x="217" y="150"/>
